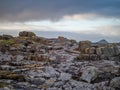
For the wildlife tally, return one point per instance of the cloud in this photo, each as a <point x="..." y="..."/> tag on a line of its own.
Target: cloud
<point x="36" y="10"/>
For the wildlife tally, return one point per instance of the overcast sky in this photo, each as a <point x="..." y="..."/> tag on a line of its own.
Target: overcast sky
<point x="77" y="19"/>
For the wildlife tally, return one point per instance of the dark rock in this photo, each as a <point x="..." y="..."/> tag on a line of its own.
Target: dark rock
<point x="7" y="37"/>
<point x="26" y="34"/>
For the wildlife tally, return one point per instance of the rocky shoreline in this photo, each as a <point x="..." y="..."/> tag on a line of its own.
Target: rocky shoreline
<point x="29" y="62"/>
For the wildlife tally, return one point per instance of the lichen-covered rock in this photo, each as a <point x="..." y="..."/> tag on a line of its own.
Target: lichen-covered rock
<point x="83" y="45"/>
<point x="26" y="34"/>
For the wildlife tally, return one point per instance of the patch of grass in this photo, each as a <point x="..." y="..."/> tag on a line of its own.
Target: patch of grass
<point x="6" y="42"/>
<point x="10" y="42"/>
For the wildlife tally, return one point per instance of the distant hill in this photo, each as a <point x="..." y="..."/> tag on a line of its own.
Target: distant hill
<point x="103" y="41"/>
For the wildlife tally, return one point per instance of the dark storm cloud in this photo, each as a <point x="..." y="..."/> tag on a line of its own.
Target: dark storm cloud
<point x="26" y="10"/>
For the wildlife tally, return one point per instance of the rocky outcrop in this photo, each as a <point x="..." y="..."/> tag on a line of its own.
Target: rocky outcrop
<point x="6" y="37"/>
<point x="36" y="63"/>
<point x="83" y="45"/>
<point x="26" y="34"/>
<point x="98" y="53"/>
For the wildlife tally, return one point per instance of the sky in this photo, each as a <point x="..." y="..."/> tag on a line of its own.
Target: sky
<point x="75" y="19"/>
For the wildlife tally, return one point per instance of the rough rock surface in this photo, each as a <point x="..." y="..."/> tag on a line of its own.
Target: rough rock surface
<point x="26" y="34"/>
<point x="36" y="63"/>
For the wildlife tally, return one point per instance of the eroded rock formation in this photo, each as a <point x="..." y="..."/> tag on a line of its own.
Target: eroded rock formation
<point x="29" y="62"/>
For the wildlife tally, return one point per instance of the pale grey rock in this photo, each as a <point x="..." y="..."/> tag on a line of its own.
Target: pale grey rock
<point x="5" y="57"/>
<point x="80" y="85"/>
<point x="54" y="88"/>
<point x="13" y="48"/>
<point x="51" y="72"/>
<point x="65" y="76"/>
<point x="59" y="84"/>
<point x="19" y="57"/>
<point x="89" y="74"/>
<point x="50" y="82"/>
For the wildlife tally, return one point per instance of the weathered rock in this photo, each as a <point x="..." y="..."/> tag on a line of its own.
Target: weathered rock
<point x="37" y="81"/>
<point x="50" y="82"/>
<point x="35" y="63"/>
<point x="59" y="84"/>
<point x="26" y="34"/>
<point x="78" y="85"/>
<point x="65" y="76"/>
<point x="83" y="57"/>
<point x="13" y="49"/>
<point x="115" y="83"/>
<point x="110" y="51"/>
<point x="6" y="67"/>
<point x="19" y="57"/>
<point x="7" y="37"/>
<point x="92" y="50"/>
<point x="99" y="51"/>
<point x="5" y="57"/>
<point x="83" y="45"/>
<point x="51" y="72"/>
<point x="89" y="74"/>
<point x="22" y="86"/>
<point x="12" y="76"/>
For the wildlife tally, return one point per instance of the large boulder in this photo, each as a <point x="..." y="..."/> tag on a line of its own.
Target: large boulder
<point x="83" y="45"/>
<point x="89" y="74"/>
<point x="26" y="34"/>
<point x="6" y="37"/>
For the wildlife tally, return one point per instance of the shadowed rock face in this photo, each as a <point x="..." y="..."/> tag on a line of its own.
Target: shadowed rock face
<point x="6" y="37"/>
<point x="30" y="62"/>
